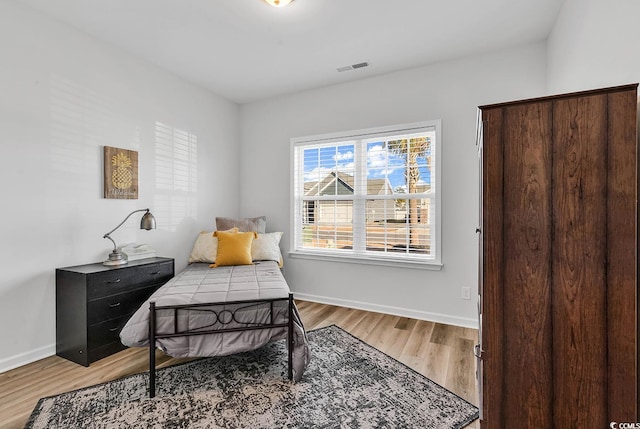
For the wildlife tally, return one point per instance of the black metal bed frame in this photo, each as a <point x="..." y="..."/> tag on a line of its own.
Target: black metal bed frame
<point x="229" y="316"/>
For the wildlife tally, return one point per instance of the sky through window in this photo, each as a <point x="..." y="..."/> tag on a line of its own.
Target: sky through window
<point x="381" y="163"/>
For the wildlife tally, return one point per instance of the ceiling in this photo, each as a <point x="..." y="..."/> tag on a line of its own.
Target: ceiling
<point x="246" y="50"/>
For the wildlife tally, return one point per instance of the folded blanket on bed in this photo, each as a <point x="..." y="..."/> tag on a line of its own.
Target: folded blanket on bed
<point x="199" y="284"/>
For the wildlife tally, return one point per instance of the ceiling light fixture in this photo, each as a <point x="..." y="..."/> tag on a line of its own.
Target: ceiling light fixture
<point x="278" y="3"/>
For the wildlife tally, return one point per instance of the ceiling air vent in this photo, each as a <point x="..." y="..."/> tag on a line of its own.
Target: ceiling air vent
<point x="353" y="67"/>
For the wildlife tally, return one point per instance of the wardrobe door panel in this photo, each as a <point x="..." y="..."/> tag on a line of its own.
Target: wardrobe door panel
<point x="527" y="269"/>
<point x="579" y="261"/>
<point x="492" y="281"/>
<point x="621" y="240"/>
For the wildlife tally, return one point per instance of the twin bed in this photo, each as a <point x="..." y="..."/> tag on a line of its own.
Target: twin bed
<point x="216" y="311"/>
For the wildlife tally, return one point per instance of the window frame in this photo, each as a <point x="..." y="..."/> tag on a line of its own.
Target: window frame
<point x="397" y="260"/>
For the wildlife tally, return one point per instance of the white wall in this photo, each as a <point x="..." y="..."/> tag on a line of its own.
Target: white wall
<point x="594" y="44"/>
<point x="448" y="91"/>
<point x="63" y="96"/>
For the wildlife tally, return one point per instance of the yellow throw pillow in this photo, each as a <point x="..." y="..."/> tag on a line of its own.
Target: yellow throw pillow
<point x="234" y="248"/>
<point x="206" y="247"/>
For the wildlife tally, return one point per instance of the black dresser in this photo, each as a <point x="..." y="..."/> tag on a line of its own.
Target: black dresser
<point x="95" y="301"/>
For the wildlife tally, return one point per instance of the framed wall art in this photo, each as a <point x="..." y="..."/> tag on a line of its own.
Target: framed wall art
<point x="120" y="173"/>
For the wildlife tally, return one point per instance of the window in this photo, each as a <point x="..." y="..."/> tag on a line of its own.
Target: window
<point x="369" y="195"/>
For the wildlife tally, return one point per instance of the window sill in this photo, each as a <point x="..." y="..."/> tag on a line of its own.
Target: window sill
<point x="390" y="262"/>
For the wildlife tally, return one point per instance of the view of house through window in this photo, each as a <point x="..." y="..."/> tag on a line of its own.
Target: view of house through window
<point x="368" y="194"/>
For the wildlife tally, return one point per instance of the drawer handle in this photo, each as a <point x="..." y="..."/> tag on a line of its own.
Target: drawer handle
<point x="113" y="281"/>
<point x="155" y="273"/>
<point x="113" y="329"/>
<point x="117" y="304"/>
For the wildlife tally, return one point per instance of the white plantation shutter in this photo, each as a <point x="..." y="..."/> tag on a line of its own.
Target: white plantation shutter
<point x="371" y="195"/>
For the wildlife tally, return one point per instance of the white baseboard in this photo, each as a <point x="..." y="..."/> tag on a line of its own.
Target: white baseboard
<point x="21" y="359"/>
<point x="387" y="309"/>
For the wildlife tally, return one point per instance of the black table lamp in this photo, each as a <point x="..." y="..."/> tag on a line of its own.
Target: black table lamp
<point x="147" y="222"/>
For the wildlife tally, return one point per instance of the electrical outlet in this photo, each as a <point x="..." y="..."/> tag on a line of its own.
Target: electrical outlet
<point x="466" y="293"/>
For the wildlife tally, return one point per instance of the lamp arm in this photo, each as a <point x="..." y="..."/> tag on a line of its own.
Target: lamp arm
<point x="107" y="235"/>
<point x="115" y="248"/>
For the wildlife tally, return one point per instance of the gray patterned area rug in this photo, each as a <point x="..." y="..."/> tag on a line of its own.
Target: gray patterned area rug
<point x="348" y="384"/>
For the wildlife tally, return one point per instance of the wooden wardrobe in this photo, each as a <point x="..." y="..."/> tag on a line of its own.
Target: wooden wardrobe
<point x="558" y="261"/>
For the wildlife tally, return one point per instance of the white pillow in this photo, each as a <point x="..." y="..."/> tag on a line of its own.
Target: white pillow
<point x="205" y="248"/>
<point x="267" y="247"/>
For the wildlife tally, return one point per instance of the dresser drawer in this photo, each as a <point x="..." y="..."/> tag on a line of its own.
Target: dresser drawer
<point x="104" y="333"/>
<point x="115" y="281"/>
<point x="119" y="305"/>
<point x="85" y="356"/>
<point x="104" y="351"/>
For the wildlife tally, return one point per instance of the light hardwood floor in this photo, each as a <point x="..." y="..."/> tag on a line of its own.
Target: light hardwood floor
<point x="441" y="352"/>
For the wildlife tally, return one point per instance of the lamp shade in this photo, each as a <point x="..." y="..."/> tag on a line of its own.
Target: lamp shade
<point x="278" y="3"/>
<point x="148" y="221"/>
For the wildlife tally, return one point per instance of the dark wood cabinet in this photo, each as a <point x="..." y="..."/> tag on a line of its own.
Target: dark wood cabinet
<point x="558" y="274"/>
<point x="94" y="302"/>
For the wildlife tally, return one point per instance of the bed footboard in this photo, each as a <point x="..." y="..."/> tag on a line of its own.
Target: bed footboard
<point x="229" y="316"/>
